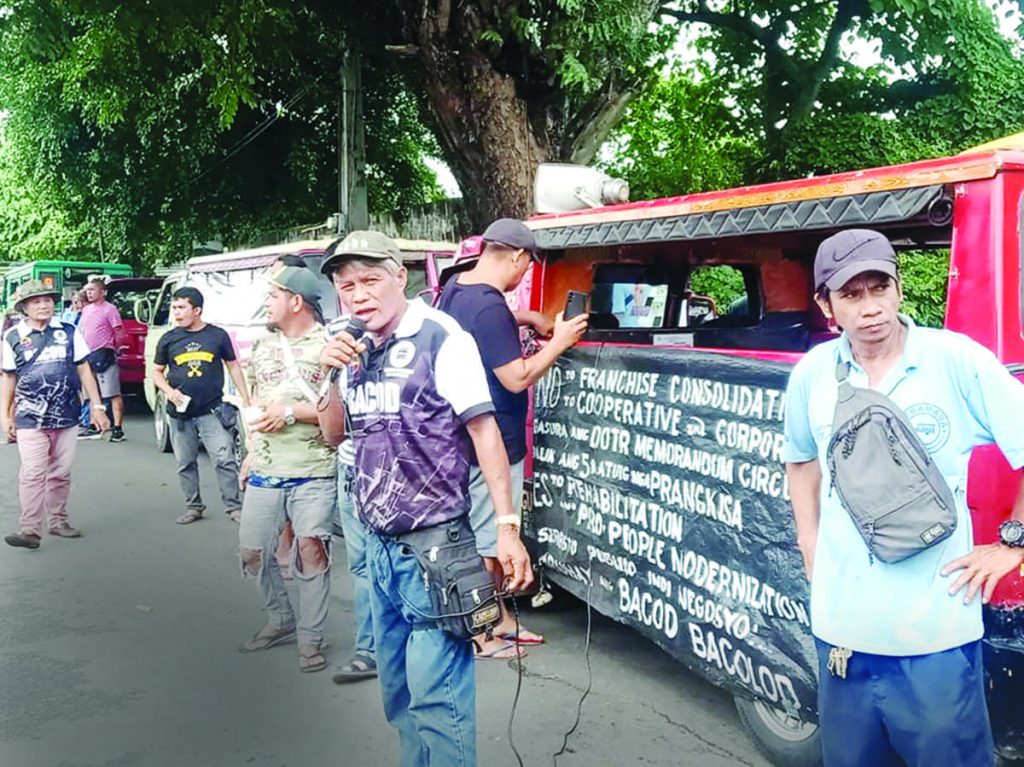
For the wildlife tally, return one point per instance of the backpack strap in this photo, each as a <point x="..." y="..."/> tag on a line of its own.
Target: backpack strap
<point x="47" y="340"/>
<point x="846" y="392"/>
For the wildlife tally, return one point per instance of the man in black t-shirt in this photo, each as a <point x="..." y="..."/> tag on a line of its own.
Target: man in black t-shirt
<point x="476" y="299"/>
<point x="189" y="370"/>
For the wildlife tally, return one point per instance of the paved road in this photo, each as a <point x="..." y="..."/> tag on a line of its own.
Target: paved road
<point x="118" y="650"/>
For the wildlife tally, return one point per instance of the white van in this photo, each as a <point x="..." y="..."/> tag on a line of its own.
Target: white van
<point x="234" y="286"/>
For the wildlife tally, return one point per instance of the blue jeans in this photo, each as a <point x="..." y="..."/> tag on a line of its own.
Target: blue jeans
<point x="355" y="548"/>
<point x="427" y="678"/>
<point x="917" y="710"/>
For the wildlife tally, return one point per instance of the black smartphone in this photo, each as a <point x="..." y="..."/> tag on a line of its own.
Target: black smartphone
<point x="575" y="303"/>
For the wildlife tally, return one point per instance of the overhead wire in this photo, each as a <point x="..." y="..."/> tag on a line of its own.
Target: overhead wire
<point x="257" y="131"/>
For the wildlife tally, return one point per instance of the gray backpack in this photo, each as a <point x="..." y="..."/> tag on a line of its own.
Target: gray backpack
<point x="885" y="478"/>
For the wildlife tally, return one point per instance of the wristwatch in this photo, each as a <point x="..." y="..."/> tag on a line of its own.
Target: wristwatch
<point x="289" y="416"/>
<point x="1011" y="533"/>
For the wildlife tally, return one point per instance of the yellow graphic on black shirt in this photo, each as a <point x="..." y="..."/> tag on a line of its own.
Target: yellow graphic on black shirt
<point x="194" y="360"/>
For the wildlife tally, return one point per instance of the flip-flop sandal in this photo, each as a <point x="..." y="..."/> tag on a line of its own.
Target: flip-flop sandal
<point x="525" y="637"/>
<point x="311" y="662"/>
<point x="190" y="516"/>
<point x="355" y="670"/>
<point x="508" y="651"/>
<point x="265" y="641"/>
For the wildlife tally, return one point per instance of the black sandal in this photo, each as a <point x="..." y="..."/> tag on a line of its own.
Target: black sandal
<point x="357" y="669"/>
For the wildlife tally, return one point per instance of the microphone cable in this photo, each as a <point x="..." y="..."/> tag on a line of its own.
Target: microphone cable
<point x="590" y="672"/>
<point x="519" y="686"/>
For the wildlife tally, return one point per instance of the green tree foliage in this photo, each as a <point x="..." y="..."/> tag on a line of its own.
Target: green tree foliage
<point x="678" y="135"/>
<point x="153" y="125"/>
<point x="506" y="86"/>
<point x="722" y="283"/>
<point x="925" y="277"/>
<point x="786" y="100"/>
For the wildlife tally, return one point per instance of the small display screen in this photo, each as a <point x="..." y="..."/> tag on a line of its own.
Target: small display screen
<point x="633" y="304"/>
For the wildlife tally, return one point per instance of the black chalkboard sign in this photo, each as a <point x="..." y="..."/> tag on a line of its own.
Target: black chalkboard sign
<point x="659" y="490"/>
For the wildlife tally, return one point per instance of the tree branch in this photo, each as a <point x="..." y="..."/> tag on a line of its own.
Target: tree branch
<point x="593" y="121"/>
<point x="812" y="81"/>
<point x="737" y="22"/>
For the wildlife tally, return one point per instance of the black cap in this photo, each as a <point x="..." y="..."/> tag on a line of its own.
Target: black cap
<point x="843" y="256"/>
<point x="513" y="234"/>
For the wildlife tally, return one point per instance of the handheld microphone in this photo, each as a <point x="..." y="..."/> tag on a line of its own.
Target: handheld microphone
<point x="356" y="328"/>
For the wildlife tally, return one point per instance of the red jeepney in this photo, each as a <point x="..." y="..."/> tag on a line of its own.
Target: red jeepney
<point x="658" y="495"/>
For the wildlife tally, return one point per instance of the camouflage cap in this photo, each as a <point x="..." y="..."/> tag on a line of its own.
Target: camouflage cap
<point x="360" y="244"/>
<point x="31" y="289"/>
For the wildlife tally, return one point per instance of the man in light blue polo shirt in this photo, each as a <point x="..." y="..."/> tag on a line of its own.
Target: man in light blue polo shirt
<point x="913" y="683"/>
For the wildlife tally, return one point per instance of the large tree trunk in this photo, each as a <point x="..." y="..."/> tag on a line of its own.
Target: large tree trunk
<point x="480" y="120"/>
<point x="496" y="113"/>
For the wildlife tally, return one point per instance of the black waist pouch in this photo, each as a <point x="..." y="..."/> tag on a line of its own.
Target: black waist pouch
<point x="101" y="359"/>
<point x="228" y="415"/>
<point x="462" y="592"/>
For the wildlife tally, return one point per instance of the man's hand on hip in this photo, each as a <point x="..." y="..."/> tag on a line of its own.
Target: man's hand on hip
<point x="515" y="561"/>
<point x="982" y="569"/>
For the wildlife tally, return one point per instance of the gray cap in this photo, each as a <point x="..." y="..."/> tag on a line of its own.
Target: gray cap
<point x="512" y="233"/>
<point x="843" y="256"/>
<point x="298" y="280"/>
<point x="360" y="244"/>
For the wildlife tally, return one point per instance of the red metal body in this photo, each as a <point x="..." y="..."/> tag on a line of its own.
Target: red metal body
<point x="132" y="343"/>
<point x="984" y="301"/>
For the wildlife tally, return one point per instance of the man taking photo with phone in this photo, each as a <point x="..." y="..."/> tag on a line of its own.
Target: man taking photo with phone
<point x="476" y="299"/>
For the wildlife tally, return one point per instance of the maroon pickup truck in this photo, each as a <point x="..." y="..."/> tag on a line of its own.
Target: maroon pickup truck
<point x="123" y="293"/>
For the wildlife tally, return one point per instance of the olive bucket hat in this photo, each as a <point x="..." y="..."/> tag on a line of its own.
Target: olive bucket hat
<point x="31" y="289"/>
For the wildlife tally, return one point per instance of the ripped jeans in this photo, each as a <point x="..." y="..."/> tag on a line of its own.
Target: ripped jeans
<point x="310" y="507"/>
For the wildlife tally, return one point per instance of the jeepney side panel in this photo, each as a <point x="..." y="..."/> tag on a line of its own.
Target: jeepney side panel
<point x="984" y="302"/>
<point x="667" y="588"/>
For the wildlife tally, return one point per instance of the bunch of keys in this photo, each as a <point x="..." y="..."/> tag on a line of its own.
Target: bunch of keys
<point x="838" y="660"/>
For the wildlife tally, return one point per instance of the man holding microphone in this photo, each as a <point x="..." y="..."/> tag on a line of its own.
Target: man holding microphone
<point x="415" y="402"/>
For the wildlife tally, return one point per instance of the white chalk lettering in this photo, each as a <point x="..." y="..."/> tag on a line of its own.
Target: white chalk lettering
<point x="648" y="609"/>
<point x="719" y="580"/>
<point x="738" y="399"/>
<point x="764" y="443"/>
<point x="762" y="479"/>
<point x="719" y="651"/>
<point x="567" y="569"/>
<point x="559" y="539"/>
<point x="697" y="498"/>
<point x="650" y="415"/>
<point x="632" y="382"/>
<point x="655" y="450"/>
<point x="639" y="543"/>
<point x="619" y="562"/>
<point x="707" y="610"/>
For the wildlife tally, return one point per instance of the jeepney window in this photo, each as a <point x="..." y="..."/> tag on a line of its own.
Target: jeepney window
<point x="632" y="304"/>
<point x="417" y="282"/>
<point x="715" y="292"/>
<point x="162" y="314"/>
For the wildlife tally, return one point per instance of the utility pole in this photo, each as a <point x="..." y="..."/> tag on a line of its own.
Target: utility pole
<point x="353" y="208"/>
